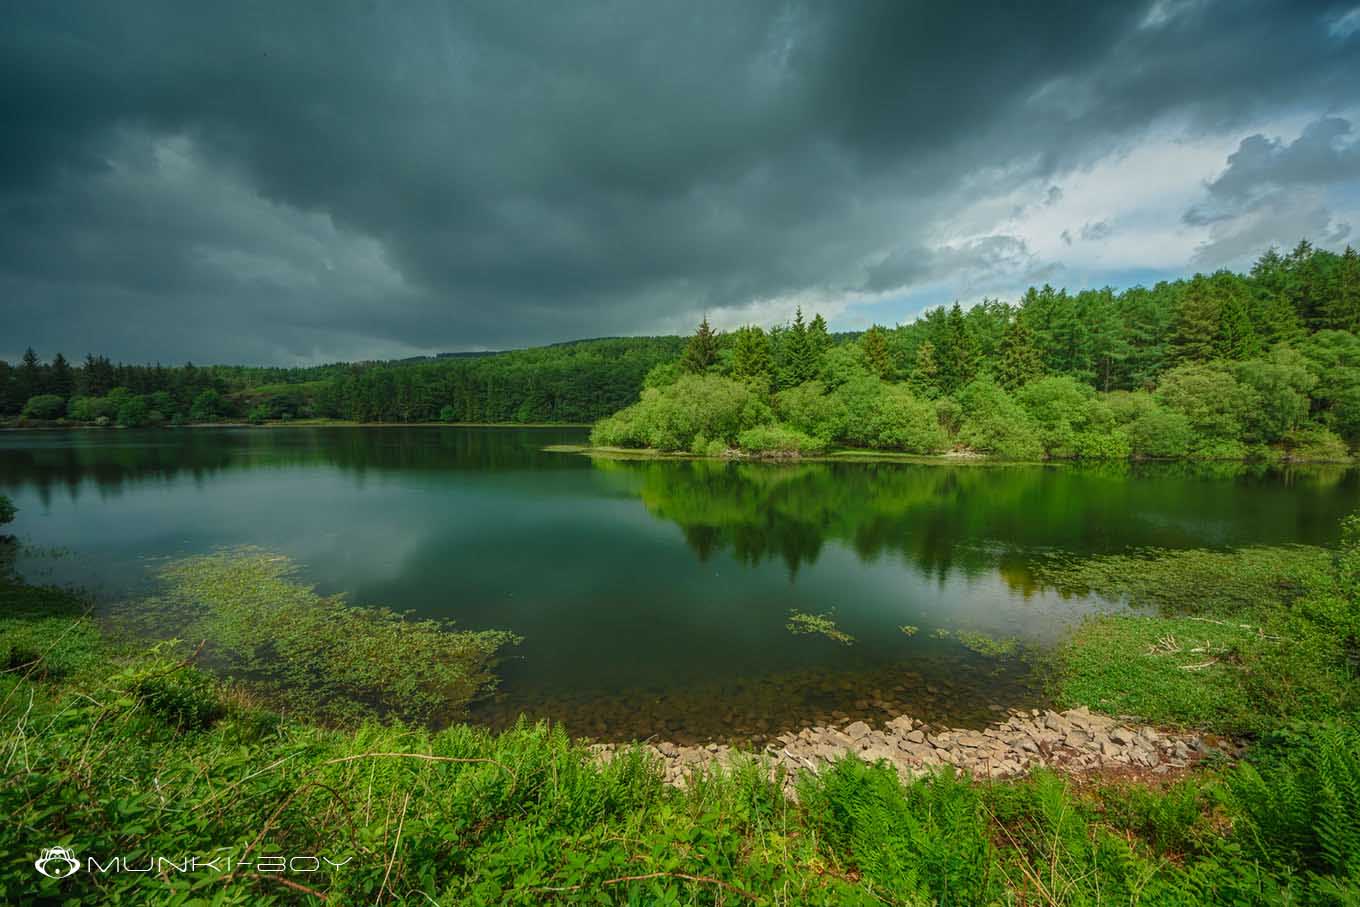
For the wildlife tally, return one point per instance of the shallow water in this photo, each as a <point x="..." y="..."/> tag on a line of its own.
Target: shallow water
<point x="653" y="596"/>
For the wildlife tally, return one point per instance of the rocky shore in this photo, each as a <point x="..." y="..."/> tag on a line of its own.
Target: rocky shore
<point x="1075" y="741"/>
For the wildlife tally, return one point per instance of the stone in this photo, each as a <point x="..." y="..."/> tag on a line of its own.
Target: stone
<point x="857" y="730"/>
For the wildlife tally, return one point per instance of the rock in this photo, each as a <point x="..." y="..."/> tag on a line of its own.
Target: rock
<point x="857" y="730"/>
<point x="916" y="737"/>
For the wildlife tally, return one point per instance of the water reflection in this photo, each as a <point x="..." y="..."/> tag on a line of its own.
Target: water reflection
<point x="651" y="593"/>
<point x="977" y="520"/>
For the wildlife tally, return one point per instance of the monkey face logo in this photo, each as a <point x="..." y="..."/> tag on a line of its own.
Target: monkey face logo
<point x="57" y="863"/>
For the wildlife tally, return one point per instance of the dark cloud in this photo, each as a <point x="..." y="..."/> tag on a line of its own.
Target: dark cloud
<point x="1273" y="192"/>
<point x="278" y="182"/>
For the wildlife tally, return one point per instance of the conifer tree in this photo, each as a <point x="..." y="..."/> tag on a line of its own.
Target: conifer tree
<point x="925" y="374"/>
<point x="957" y="358"/>
<point x="1018" y="362"/>
<point x="61" y="381"/>
<point x="874" y="343"/>
<point x="1195" y="336"/>
<point x="1343" y="302"/>
<point x="751" y="354"/>
<point x="702" y="350"/>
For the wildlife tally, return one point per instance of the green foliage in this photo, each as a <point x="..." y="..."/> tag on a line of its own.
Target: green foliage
<point x="994" y="423"/>
<point x="316" y="655"/>
<point x="44" y="406"/>
<point x="1245" y="639"/>
<point x="7" y="510"/>
<point x="701" y="353"/>
<point x="751" y="358"/>
<point x="810" y="410"/>
<point x="1300" y="800"/>
<point x="1160" y="433"/>
<point x="803" y="624"/>
<point x="668" y="418"/>
<point x="874" y="345"/>
<point x="778" y="440"/>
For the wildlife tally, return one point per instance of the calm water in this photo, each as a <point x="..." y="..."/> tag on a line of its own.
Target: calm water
<point x="652" y="597"/>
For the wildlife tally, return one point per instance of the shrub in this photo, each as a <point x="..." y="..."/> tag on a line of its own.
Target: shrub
<point x="1316" y="444"/>
<point x="447" y="414"/>
<point x="1216" y="404"/>
<point x="1059" y="407"/>
<point x="7" y="510"/>
<point x="1160" y="432"/>
<point x="91" y="409"/>
<point x="44" y="406"/>
<point x="668" y="418"/>
<point x="809" y="409"/>
<point x="901" y="421"/>
<point x="133" y="412"/>
<point x="778" y="440"/>
<point x="184" y="698"/>
<point x="995" y="423"/>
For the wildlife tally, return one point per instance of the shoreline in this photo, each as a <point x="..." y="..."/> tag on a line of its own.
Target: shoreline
<point x="861" y="455"/>
<point x="1076" y="741"/>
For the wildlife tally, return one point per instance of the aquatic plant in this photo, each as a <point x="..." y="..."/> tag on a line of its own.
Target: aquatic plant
<point x="313" y="654"/>
<point x="802" y="624"/>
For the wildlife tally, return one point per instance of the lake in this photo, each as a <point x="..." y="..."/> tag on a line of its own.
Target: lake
<point x="654" y="597"/>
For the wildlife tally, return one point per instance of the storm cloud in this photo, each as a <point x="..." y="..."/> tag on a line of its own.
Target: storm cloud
<point x="288" y="183"/>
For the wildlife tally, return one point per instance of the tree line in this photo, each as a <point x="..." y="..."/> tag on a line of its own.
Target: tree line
<point x="1280" y="338"/>
<point x="1224" y="365"/>
<point x="569" y="382"/>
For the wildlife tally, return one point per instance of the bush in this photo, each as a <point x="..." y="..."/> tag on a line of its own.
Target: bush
<point x="1059" y="407"/>
<point x="183" y="698"/>
<point x="44" y="406"/>
<point x="901" y="421"/>
<point x="668" y="418"/>
<point x="447" y="414"/>
<point x="1160" y="432"/>
<point x="809" y="409"/>
<point x="7" y="510"/>
<point x="1315" y="444"/>
<point x="134" y="412"/>
<point x="1216" y="404"/>
<point x="778" y="440"/>
<point x="994" y="423"/>
<point x="91" y="409"/>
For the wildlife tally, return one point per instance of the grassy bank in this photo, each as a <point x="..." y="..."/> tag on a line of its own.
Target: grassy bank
<point x="115" y="751"/>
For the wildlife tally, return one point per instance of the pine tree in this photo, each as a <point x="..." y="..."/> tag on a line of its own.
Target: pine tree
<point x="1343" y="304"/>
<point x="925" y="374"/>
<point x="1236" y="335"/>
<point x="702" y="350"/>
<point x="751" y="354"/>
<point x="819" y="341"/>
<point x="797" y="362"/>
<point x="1197" y="316"/>
<point x="874" y="343"/>
<point x="61" y="381"/>
<point x="30" y="377"/>
<point x="958" y="356"/>
<point x="1018" y="362"/>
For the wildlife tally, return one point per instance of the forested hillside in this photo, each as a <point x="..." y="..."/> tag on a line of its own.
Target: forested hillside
<point x="1212" y="365"/>
<point x="569" y="382"/>
<point x="1215" y="366"/>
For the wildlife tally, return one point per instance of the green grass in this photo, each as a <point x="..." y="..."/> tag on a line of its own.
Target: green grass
<point x="1237" y="641"/>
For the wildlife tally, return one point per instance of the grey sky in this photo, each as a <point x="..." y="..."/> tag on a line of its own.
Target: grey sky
<point x="289" y="183"/>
